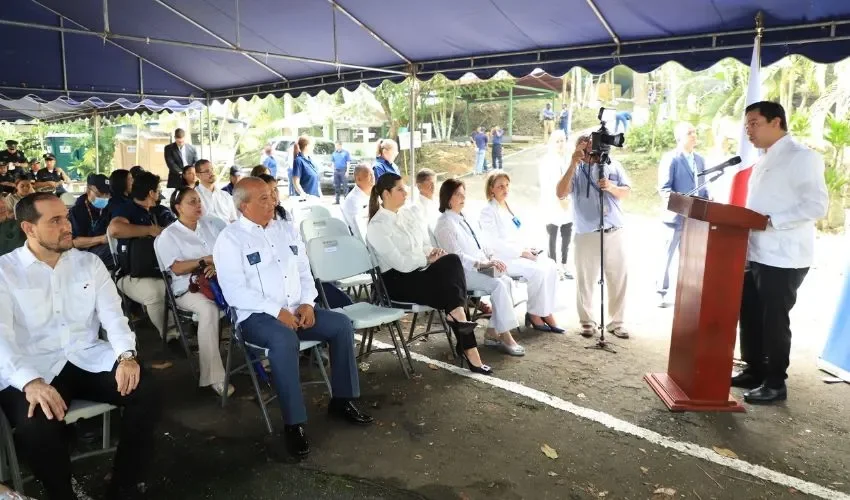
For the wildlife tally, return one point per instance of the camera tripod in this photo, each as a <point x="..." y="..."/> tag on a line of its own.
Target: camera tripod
<point x="602" y="344"/>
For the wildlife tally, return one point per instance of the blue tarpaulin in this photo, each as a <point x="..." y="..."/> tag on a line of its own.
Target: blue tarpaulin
<point x="201" y="49"/>
<point x="64" y="108"/>
<point x="835" y="358"/>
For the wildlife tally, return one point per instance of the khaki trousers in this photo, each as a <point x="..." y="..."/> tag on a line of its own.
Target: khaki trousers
<point x="209" y="354"/>
<point x="587" y="275"/>
<point x="149" y="292"/>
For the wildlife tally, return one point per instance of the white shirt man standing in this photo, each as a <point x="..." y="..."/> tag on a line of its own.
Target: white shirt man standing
<point x="355" y="206"/>
<point x="53" y="301"/>
<point x="787" y="185"/>
<point x="426" y="184"/>
<point x="214" y="201"/>
<point x="265" y="275"/>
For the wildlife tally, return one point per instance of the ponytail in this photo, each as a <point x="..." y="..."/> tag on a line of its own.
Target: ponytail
<point x="385" y="183"/>
<point x="374" y="205"/>
<point x="298" y="147"/>
<point x="380" y="147"/>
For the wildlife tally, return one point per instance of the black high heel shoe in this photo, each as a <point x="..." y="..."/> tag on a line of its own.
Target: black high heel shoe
<point x="541" y="328"/>
<point x="465" y="334"/>
<point x="483" y="369"/>
<point x="553" y="328"/>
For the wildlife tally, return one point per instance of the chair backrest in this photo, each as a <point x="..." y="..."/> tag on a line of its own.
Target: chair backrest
<point x="113" y="247"/>
<point x="333" y="258"/>
<point x="316" y="228"/>
<point x="302" y="212"/>
<point x="68" y="199"/>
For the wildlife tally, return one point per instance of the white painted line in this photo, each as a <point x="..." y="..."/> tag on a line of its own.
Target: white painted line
<point x="653" y="437"/>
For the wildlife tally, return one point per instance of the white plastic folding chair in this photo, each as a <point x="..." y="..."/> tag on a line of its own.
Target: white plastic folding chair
<point x="304" y="210"/>
<point x="313" y="228"/>
<point x="255" y="356"/>
<point x="79" y="409"/>
<point x="334" y="258"/>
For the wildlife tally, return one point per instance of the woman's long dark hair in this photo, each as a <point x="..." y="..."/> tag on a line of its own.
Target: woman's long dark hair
<point x="385" y="183"/>
<point x="118" y="183"/>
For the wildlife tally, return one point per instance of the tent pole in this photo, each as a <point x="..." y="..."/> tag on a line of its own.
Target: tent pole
<point x="64" y="62"/>
<point x="200" y="130"/>
<point x="209" y="127"/>
<point x="413" y="82"/>
<point x="510" y="112"/>
<point x="96" y="142"/>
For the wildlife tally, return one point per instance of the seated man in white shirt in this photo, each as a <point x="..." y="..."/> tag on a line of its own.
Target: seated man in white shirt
<point x="264" y="273"/>
<point x="53" y="299"/>
<point x="214" y="201"/>
<point x="426" y="184"/>
<point x="355" y="207"/>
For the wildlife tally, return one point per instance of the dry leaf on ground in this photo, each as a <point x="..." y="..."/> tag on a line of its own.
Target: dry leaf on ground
<point x="725" y="452"/>
<point x="549" y="451"/>
<point x="667" y="492"/>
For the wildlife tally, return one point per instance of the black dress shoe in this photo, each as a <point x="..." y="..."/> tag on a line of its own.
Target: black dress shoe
<point x="746" y="380"/>
<point x="766" y="395"/>
<point x="296" y="440"/>
<point x="346" y="410"/>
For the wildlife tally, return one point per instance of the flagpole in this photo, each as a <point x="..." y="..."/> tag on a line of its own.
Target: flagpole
<point x="748" y="153"/>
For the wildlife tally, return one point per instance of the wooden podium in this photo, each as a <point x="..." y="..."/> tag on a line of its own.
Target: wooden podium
<point x="712" y="254"/>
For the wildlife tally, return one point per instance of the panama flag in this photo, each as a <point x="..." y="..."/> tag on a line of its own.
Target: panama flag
<point x="747" y="152"/>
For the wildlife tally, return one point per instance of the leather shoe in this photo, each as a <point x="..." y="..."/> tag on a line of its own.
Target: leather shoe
<point x="346" y="410"/>
<point x="765" y="395"/>
<point x="296" y="440"/>
<point x="746" y="380"/>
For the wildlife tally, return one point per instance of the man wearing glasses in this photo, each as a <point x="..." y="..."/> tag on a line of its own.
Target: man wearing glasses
<point x="214" y="201"/>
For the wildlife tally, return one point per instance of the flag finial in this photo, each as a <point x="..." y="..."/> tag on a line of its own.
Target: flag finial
<point x="759" y="24"/>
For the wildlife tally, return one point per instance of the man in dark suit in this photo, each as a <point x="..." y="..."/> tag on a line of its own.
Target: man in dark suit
<point x="677" y="173"/>
<point x="178" y="154"/>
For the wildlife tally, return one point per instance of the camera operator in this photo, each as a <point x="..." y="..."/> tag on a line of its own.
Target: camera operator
<point x="583" y="182"/>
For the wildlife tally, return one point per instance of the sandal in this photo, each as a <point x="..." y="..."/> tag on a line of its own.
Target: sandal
<point x="485" y="308"/>
<point x="619" y="331"/>
<point x="588" y="329"/>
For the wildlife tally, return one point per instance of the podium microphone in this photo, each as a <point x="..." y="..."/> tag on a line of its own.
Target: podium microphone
<point x="728" y="163"/>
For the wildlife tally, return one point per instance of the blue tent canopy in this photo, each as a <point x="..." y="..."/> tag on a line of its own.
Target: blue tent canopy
<point x="186" y="50"/>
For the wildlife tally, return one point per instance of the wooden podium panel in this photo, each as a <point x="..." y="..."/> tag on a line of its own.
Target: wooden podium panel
<point x="712" y="255"/>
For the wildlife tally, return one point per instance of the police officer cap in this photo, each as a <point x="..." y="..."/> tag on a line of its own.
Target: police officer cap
<point x="234" y="170"/>
<point x="35" y="160"/>
<point x="48" y="156"/>
<point x="11" y="142"/>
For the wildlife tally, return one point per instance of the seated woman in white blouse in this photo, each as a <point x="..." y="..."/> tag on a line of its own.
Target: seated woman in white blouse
<point x="500" y="229"/>
<point x="455" y="235"/>
<point x="414" y="271"/>
<point x="184" y="248"/>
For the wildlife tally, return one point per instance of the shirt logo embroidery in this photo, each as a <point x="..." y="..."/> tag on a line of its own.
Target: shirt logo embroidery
<point x="294" y="249"/>
<point x="254" y="258"/>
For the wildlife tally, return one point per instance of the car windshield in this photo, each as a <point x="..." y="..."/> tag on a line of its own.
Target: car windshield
<point x="323" y="148"/>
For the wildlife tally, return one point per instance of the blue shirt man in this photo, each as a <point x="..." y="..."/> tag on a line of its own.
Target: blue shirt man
<point x="340" y="158"/>
<point x="586" y="193"/>
<point x="270" y="163"/>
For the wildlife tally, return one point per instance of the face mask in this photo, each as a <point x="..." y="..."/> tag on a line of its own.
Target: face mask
<point x="100" y="203"/>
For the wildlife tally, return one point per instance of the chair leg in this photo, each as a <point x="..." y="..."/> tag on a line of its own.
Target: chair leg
<point x="404" y="346"/>
<point x="227" y="367"/>
<point x="317" y="357"/>
<point x="184" y="341"/>
<point x="250" y="363"/>
<point x="412" y="328"/>
<point x="396" y="341"/>
<point x="442" y="317"/>
<point x="10" y="453"/>
<point x="428" y="325"/>
<point x="371" y="338"/>
<point x="107" y="428"/>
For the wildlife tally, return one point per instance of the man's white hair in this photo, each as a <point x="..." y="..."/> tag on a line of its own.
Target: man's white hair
<point x="242" y="191"/>
<point x="681" y="131"/>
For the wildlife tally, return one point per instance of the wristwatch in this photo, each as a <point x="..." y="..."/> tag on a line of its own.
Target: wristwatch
<point x="127" y="356"/>
<point x="202" y="264"/>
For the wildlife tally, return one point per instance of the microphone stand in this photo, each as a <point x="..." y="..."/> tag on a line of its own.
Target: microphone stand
<point x="602" y="344"/>
<point x="709" y="182"/>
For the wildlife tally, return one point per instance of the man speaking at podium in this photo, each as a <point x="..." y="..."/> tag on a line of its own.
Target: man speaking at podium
<point x="787" y="185"/>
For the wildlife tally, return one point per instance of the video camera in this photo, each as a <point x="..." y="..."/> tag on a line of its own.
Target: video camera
<point x="601" y="140"/>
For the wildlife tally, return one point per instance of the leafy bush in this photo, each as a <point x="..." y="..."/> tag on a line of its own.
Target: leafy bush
<point x="640" y="137"/>
<point x="800" y="125"/>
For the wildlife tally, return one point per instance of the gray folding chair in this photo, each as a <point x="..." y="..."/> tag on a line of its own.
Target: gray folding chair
<point x="255" y="356"/>
<point x="333" y="258"/>
<point x="181" y="316"/>
<point x="78" y="409"/>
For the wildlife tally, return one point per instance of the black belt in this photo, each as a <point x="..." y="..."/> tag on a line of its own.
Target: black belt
<point x="607" y="230"/>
